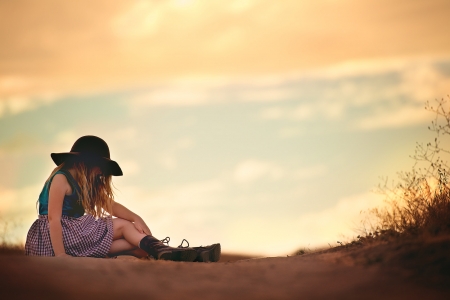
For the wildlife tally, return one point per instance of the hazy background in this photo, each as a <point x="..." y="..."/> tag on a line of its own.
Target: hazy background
<point x="262" y="125"/>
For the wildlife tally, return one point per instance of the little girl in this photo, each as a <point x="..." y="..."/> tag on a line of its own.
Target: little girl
<point x="76" y="207"/>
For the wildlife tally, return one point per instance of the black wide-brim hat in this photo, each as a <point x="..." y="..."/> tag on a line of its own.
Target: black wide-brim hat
<point x="91" y="149"/>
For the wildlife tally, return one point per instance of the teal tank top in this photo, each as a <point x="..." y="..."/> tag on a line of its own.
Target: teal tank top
<point x="71" y="206"/>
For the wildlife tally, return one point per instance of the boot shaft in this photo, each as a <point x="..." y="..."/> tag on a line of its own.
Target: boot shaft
<point x="158" y="250"/>
<point x="153" y="246"/>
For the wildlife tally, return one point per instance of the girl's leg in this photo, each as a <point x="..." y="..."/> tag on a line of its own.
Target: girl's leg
<point x="125" y="230"/>
<point x="122" y="247"/>
<point x="126" y="239"/>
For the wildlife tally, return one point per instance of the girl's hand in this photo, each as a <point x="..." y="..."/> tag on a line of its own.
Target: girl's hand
<point x="120" y="211"/>
<point x="141" y="226"/>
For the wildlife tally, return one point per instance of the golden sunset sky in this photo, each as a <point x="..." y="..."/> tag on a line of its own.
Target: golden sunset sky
<point x="263" y="125"/>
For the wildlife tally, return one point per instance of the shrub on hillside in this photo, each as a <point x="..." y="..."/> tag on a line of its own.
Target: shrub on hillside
<point x="420" y="202"/>
<point x="7" y="245"/>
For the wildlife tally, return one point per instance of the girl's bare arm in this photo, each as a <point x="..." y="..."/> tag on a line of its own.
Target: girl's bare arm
<point x="122" y="212"/>
<point x="58" y="190"/>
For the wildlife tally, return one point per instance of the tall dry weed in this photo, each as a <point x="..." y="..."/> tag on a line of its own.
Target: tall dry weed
<point x="419" y="203"/>
<point x="7" y="244"/>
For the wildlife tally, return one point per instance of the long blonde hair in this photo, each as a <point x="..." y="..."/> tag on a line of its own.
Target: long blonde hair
<point x="96" y="193"/>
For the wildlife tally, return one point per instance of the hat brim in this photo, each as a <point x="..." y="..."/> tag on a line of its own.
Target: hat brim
<point x="114" y="168"/>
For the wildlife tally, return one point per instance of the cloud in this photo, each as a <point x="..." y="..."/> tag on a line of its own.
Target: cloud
<point x="185" y="143"/>
<point x="366" y="93"/>
<point x="130" y="167"/>
<point x="343" y="220"/>
<point x="310" y="172"/>
<point x="126" y="134"/>
<point x="18" y="95"/>
<point x="65" y="139"/>
<point x="306" y="111"/>
<point x="12" y="84"/>
<point x="271" y="113"/>
<point x="131" y="44"/>
<point x="18" y="209"/>
<point x="340" y="222"/>
<point x="174" y="96"/>
<point x="423" y="81"/>
<point x="191" y="193"/>
<point x="266" y="94"/>
<point x="142" y="19"/>
<point x="302" y="112"/>
<point x="290" y="132"/>
<point x="391" y="95"/>
<point x="169" y="159"/>
<point x="240" y="6"/>
<point x="252" y="170"/>
<point x="401" y="117"/>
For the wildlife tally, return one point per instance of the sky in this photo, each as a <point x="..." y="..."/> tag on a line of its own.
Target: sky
<point x="262" y="125"/>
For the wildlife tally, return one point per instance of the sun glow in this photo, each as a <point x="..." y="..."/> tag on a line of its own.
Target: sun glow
<point x="182" y="3"/>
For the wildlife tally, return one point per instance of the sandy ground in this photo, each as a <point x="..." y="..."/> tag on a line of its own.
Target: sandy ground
<point x="331" y="275"/>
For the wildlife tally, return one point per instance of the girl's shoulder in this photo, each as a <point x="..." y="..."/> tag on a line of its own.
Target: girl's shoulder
<point x="64" y="178"/>
<point x="60" y="181"/>
<point x="60" y="175"/>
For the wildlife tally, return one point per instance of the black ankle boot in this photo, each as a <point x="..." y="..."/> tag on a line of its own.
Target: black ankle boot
<point x="158" y="250"/>
<point x="209" y="253"/>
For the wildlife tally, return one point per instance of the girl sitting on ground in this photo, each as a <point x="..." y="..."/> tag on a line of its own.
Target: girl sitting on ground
<point x="76" y="207"/>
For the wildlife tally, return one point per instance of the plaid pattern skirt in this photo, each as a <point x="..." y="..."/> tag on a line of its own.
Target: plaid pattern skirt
<point x="83" y="236"/>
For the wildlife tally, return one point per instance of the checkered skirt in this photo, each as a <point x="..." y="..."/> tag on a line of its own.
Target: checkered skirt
<point x="83" y="236"/>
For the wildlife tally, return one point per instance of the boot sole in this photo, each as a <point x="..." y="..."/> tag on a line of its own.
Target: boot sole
<point x="211" y="255"/>
<point x="187" y="255"/>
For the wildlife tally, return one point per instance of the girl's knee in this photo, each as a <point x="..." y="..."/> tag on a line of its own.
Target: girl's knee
<point x="119" y="224"/>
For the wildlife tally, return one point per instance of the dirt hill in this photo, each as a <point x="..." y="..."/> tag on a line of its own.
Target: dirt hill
<point x="383" y="271"/>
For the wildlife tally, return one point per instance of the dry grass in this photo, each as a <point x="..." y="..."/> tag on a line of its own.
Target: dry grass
<point x="419" y="204"/>
<point x="412" y="233"/>
<point x="7" y="244"/>
<point x="420" y="212"/>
